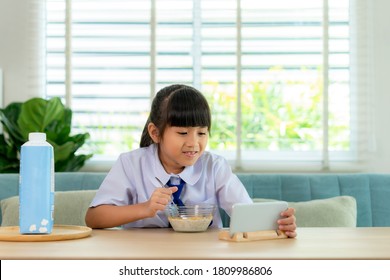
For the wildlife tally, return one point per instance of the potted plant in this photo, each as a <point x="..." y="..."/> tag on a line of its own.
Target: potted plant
<point x="40" y="115"/>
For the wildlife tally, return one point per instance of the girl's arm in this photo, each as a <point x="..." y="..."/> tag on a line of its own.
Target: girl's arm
<point x="105" y="216"/>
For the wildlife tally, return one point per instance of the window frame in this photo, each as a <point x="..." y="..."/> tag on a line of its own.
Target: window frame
<point x="324" y="160"/>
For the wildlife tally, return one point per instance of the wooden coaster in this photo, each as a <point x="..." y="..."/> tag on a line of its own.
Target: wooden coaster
<point x="252" y="236"/>
<point x="60" y="232"/>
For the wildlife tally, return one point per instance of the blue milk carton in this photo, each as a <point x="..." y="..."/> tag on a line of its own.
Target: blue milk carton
<point x="36" y="185"/>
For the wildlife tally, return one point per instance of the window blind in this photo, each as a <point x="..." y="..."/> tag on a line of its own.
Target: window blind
<point x="284" y="78"/>
<point x="108" y="54"/>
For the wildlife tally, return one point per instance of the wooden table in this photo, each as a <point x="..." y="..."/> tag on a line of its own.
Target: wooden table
<point x="311" y="243"/>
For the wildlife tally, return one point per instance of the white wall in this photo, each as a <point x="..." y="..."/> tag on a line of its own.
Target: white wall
<point x="381" y="36"/>
<point x="13" y="58"/>
<point x="16" y="27"/>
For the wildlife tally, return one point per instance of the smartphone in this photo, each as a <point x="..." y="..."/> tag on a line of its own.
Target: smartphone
<point x="248" y="217"/>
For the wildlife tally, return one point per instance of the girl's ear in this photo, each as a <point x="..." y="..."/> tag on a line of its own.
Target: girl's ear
<point x="154" y="133"/>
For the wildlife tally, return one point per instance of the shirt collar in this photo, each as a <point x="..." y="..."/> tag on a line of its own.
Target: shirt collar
<point x="190" y="174"/>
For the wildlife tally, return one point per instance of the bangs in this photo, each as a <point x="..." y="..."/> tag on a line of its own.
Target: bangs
<point x="187" y="107"/>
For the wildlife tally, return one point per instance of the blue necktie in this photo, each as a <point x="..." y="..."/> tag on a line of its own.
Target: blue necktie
<point x="176" y="195"/>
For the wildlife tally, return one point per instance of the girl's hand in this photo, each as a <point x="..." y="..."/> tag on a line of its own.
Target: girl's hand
<point x="287" y="223"/>
<point x="159" y="200"/>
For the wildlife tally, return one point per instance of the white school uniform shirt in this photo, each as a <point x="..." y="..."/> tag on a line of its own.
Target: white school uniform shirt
<point x="132" y="180"/>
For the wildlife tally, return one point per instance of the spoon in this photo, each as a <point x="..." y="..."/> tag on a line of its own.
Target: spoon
<point x="172" y="205"/>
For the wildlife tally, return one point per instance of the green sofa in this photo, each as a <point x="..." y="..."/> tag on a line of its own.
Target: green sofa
<point x="322" y="199"/>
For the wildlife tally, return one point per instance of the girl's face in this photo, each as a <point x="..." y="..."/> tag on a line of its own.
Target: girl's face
<point x="182" y="146"/>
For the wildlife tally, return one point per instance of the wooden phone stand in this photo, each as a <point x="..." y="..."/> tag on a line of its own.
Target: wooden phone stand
<point x="252" y="236"/>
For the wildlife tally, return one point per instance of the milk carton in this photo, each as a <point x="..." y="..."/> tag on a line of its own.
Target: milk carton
<point x="36" y="185"/>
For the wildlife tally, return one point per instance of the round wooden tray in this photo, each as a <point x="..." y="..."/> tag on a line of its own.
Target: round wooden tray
<point x="60" y="232"/>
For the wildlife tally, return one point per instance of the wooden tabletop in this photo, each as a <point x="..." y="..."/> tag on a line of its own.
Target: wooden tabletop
<point x="311" y="243"/>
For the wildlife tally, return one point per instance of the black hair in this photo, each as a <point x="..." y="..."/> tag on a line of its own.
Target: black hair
<point x="177" y="105"/>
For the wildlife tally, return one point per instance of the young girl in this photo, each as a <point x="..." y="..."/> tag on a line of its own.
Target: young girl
<point x="172" y="150"/>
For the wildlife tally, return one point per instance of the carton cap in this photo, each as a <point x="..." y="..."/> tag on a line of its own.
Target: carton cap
<point x="37" y="136"/>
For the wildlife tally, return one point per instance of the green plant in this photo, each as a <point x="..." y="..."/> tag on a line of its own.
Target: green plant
<point x="40" y="115"/>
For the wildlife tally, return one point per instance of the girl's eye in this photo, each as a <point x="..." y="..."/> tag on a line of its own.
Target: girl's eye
<point x="182" y="133"/>
<point x="202" y="133"/>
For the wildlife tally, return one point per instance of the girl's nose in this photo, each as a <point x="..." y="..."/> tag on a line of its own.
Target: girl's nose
<point x="191" y="139"/>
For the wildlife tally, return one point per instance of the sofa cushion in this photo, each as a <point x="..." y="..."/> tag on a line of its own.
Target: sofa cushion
<point x="69" y="208"/>
<point x="339" y="211"/>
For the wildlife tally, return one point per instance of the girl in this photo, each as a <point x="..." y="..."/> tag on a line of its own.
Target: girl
<point x="172" y="150"/>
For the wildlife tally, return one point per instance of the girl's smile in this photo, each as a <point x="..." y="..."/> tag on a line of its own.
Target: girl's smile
<point x="190" y="154"/>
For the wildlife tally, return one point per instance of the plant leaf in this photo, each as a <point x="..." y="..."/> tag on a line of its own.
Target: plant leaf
<point x="40" y="115"/>
<point x="9" y="118"/>
<point x="9" y="163"/>
<point x="36" y="114"/>
<point x="73" y="163"/>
